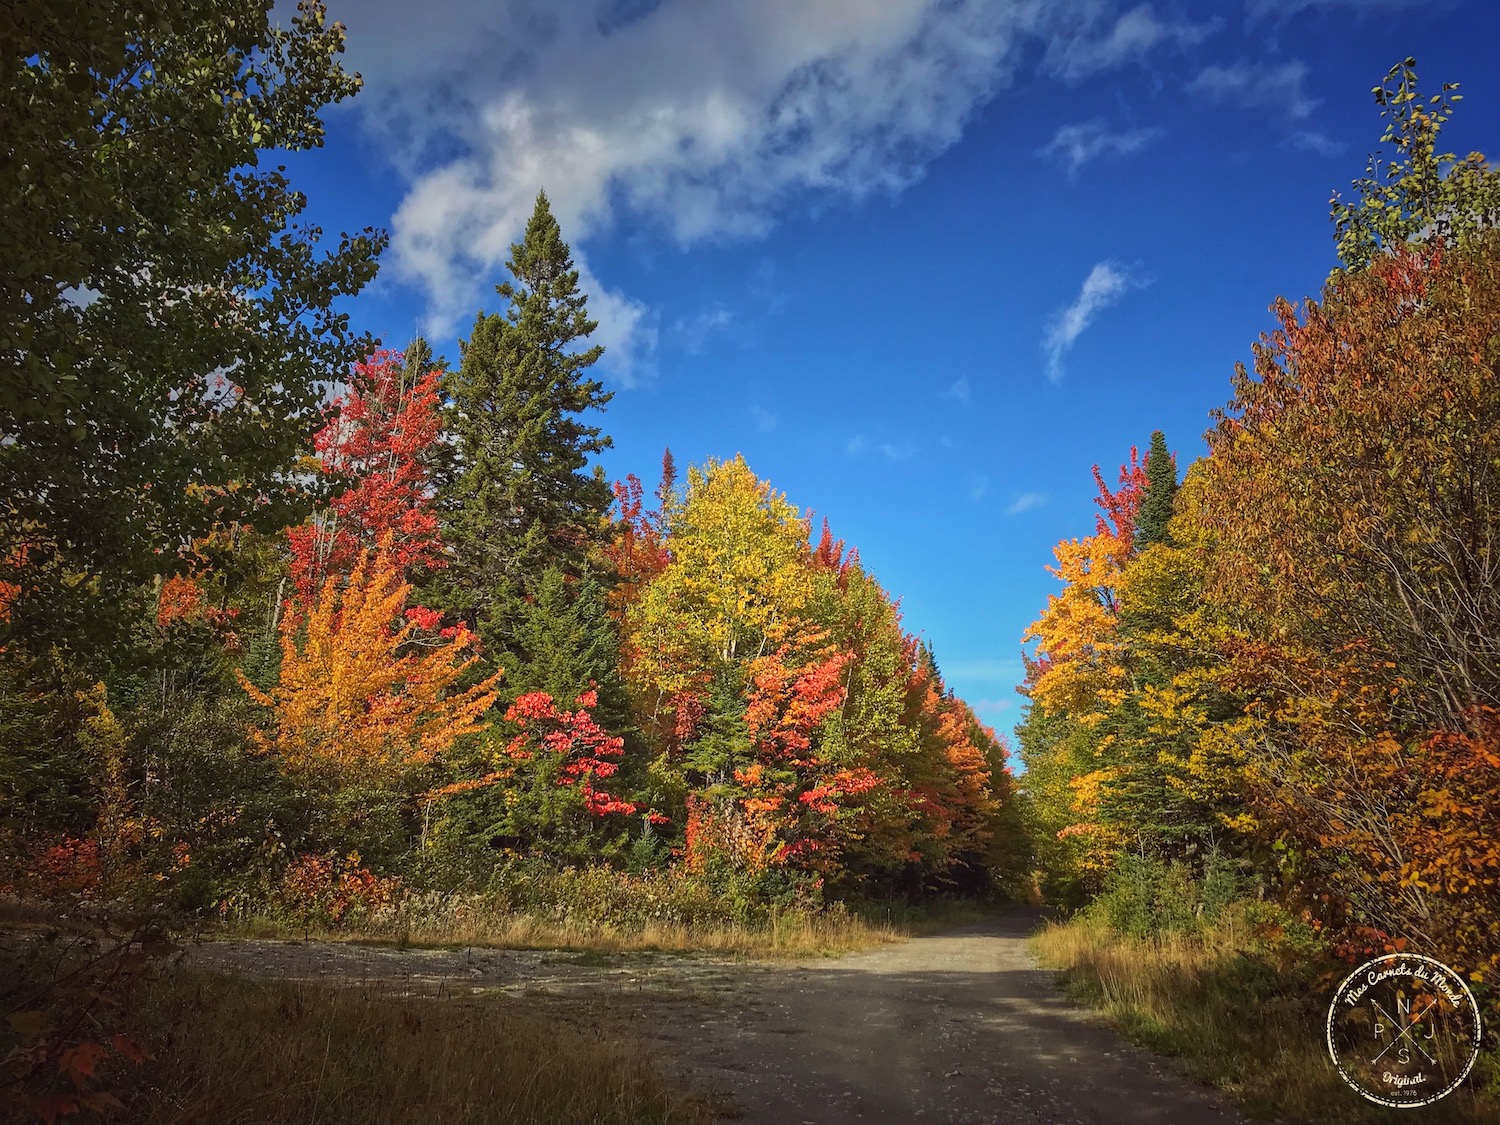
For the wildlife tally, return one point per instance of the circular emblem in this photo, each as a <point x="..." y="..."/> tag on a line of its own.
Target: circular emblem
<point x="1403" y="1030"/>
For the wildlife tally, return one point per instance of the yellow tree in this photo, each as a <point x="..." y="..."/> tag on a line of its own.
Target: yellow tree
<point x="735" y="586"/>
<point x="1185" y="743"/>
<point x="1079" y="670"/>
<point x="359" y="699"/>
<point x="1078" y="677"/>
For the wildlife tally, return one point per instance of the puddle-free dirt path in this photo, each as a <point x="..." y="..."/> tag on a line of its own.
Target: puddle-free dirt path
<point x="959" y="1027"/>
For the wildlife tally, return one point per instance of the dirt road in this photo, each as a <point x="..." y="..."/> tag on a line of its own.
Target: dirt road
<point x="958" y="1027"/>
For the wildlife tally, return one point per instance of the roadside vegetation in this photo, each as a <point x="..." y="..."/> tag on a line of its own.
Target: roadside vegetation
<point x="1262" y="736"/>
<point x="604" y="910"/>
<point x="1236" y="987"/>
<point x="300" y="635"/>
<point x="105" y="1023"/>
<point x="336" y="1053"/>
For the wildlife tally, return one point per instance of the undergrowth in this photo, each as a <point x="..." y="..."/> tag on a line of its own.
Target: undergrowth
<point x="588" y="908"/>
<point x="1237" y="988"/>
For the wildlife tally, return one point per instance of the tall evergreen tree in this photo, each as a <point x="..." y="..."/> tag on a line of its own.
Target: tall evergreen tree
<point x="723" y="744"/>
<point x="1161" y="488"/>
<point x="565" y="643"/>
<point x="520" y="500"/>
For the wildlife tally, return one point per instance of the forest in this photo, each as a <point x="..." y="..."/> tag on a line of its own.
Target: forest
<point x="302" y="634"/>
<point x="1269" y="689"/>
<point x="292" y="638"/>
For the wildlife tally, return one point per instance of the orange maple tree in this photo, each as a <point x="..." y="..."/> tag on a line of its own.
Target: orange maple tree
<point x="365" y="691"/>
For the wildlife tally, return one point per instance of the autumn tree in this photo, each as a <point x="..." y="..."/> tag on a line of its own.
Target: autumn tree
<point x="547" y="786"/>
<point x="636" y="550"/>
<point x="734" y="677"/>
<point x="733" y="590"/>
<point x="1077" y="667"/>
<point x="951" y="780"/>
<point x="1353" y="492"/>
<point x="922" y="810"/>
<point x="520" y="501"/>
<point x="377" y="450"/>
<point x="1420" y="194"/>
<point x="166" y="324"/>
<point x="737" y="580"/>
<point x="1176" y="784"/>
<point x="872" y="729"/>
<point x="797" y="727"/>
<point x="1079" y="675"/>
<point x="359" y="700"/>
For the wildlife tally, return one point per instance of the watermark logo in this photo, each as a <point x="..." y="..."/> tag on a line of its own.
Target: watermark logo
<point x="1403" y="1030"/>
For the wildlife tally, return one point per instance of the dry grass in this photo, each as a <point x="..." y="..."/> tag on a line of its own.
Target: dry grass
<point x="1247" y="1019"/>
<point x="233" y="1051"/>
<point x="788" y="936"/>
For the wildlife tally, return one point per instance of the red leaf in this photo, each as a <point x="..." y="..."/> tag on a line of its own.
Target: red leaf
<point x="128" y="1047"/>
<point x="80" y="1061"/>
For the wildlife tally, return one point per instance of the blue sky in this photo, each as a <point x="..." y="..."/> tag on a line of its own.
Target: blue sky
<point x="923" y="262"/>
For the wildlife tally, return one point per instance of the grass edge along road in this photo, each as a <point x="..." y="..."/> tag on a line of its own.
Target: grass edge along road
<point x="787" y="935"/>
<point x="236" y="1050"/>
<point x="1242" y="1003"/>
<point x="110" y="1023"/>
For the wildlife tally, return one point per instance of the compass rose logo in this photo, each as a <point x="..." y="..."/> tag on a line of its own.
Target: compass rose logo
<point x="1403" y="1030"/>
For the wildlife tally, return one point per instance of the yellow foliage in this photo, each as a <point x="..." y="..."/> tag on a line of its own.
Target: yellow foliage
<point x="353" y="702"/>
<point x="1096" y="845"/>
<point x="738" y="577"/>
<point x="1201" y="734"/>
<point x="1079" y="631"/>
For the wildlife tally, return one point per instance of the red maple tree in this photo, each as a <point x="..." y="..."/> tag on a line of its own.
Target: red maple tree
<point x="379" y="440"/>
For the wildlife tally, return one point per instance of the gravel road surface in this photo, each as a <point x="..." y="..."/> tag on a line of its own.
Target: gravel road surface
<point x="957" y="1027"/>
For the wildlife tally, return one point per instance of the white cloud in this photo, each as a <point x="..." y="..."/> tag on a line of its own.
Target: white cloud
<point x="627" y="328"/>
<point x="1073" y="146"/>
<point x="856" y="445"/>
<point x="1106" y="283"/>
<point x="959" y="391"/>
<point x="1258" y="86"/>
<point x="1025" y="502"/>
<point x="893" y="452"/>
<point x="1310" y="140"/>
<point x="704" y="119"/>
<point x="1134" y="34"/>
<point x="979" y="486"/>
<point x="694" y="331"/>
<point x="1282" y="10"/>
<point x="700" y="117"/>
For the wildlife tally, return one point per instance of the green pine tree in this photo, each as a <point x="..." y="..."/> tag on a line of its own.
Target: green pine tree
<point x="1161" y="489"/>
<point x="564" y="643"/>
<point x="723" y="742"/>
<point x="520" y="500"/>
<point x="927" y="659"/>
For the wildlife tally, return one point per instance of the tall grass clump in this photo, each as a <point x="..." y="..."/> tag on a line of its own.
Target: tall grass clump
<point x="1190" y="964"/>
<point x="526" y="905"/>
<point x="237" y="1051"/>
